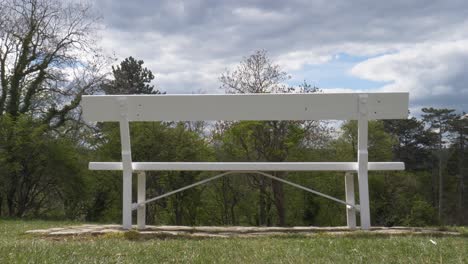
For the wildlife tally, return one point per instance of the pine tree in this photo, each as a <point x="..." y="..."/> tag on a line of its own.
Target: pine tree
<point x="130" y="77"/>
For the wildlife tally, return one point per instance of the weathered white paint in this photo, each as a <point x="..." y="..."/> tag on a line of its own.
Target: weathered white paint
<point x="340" y="106"/>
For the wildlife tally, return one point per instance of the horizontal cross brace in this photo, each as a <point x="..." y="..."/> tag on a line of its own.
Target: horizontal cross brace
<point x="349" y="205"/>
<point x="246" y="166"/>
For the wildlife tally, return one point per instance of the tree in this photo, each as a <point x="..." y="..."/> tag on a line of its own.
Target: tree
<point x="48" y="60"/>
<point x="459" y="129"/>
<point x="438" y="121"/>
<point x="272" y="140"/>
<point x="255" y="74"/>
<point x="411" y="142"/>
<point x="130" y="78"/>
<point x="32" y="169"/>
<point x="43" y="67"/>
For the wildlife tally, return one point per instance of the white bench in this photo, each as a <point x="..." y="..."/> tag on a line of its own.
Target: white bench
<point x="336" y="106"/>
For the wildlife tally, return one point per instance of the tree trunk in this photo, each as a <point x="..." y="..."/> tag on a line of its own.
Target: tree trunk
<point x="11" y="196"/>
<point x="233" y="214"/>
<point x="434" y="183"/>
<point x="441" y="190"/>
<point x="441" y="180"/>
<point x="178" y="209"/>
<point x="225" y="202"/>
<point x="278" y="194"/>
<point x="262" y="202"/>
<point x="268" y="201"/>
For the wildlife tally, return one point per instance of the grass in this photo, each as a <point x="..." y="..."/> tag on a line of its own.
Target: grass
<point x="17" y="247"/>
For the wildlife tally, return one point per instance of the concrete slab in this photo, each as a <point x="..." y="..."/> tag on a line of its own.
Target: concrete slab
<point x="228" y="231"/>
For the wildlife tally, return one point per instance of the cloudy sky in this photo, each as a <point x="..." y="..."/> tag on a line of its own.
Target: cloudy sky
<point x="419" y="46"/>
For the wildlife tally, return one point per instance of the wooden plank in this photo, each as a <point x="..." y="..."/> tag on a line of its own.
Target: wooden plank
<point x="331" y="106"/>
<point x="246" y="166"/>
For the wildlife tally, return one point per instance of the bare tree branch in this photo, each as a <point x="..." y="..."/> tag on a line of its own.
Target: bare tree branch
<point x="41" y="42"/>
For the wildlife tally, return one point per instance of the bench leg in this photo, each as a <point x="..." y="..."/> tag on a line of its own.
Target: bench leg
<point x="141" y="210"/>
<point x="127" y="200"/>
<point x="127" y="169"/>
<point x="363" y="163"/>
<point x="364" y="199"/>
<point x="350" y="211"/>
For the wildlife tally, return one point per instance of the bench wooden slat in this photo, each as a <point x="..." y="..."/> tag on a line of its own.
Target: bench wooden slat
<point x="246" y="166"/>
<point x="332" y="106"/>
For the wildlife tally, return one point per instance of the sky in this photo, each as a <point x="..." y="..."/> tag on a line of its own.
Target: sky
<point x="416" y="46"/>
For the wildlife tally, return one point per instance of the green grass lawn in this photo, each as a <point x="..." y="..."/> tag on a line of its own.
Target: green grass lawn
<point x="17" y="247"/>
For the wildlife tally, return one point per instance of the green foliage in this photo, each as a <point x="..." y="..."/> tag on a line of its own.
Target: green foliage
<point x="439" y="123"/>
<point x="393" y="196"/>
<point x="40" y="174"/>
<point x="379" y="142"/>
<point x="262" y="141"/>
<point x="411" y="138"/>
<point x="259" y="141"/>
<point x="421" y="214"/>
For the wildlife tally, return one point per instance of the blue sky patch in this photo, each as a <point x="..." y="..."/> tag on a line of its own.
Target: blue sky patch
<point x="335" y="74"/>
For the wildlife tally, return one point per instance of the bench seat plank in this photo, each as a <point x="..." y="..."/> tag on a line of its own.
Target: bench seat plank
<point x="246" y="166"/>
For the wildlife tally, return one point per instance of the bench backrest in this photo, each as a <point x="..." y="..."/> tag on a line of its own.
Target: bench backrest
<point x="323" y="106"/>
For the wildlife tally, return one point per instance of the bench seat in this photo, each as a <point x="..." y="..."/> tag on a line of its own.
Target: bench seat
<point x="246" y="166"/>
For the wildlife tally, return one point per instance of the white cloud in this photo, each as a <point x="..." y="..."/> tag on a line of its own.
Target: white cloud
<point x="188" y="44"/>
<point x="295" y="60"/>
<point x="254" y="14"/>
<point x="433" y="73"/>
<point x="341" y="90"/>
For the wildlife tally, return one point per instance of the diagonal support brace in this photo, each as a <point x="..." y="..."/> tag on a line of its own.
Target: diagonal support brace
<point x="139" y="204"/>
<point x="308" y="190"/>
<point x="349" y="205"/>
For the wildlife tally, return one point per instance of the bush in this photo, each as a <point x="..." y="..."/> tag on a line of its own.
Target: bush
<point x="421" y="214"/>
